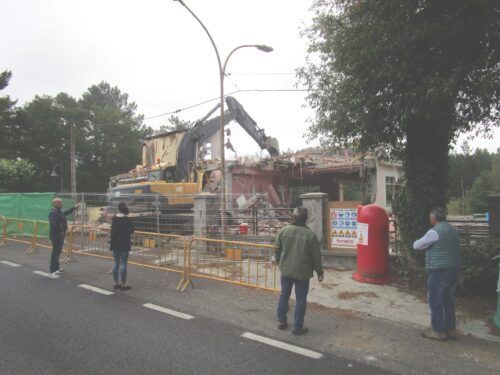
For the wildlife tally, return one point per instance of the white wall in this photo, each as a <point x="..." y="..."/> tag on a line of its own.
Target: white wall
<point x="386" y="169"/>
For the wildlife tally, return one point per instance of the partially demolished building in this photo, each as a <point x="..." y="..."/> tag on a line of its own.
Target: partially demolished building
<point x="344" y="177"/>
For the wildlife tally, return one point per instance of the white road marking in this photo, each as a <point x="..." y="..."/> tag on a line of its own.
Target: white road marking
<point x="10" y="263"/>
<point x="95" y="289"/>
<point x="46" y="274"/>
<point x="282" y="345"/>
<point x="168" y="311"/>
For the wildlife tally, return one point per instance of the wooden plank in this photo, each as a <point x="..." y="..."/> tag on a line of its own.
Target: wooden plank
<point x="274" y="195"/>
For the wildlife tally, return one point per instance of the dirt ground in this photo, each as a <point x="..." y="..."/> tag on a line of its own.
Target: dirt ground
<point x="391" y="302"/>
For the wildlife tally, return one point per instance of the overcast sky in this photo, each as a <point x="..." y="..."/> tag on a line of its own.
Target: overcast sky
<point x="157" y="53"/>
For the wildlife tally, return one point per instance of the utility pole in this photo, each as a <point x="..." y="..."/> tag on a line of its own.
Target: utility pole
<point x="73" y="160"/>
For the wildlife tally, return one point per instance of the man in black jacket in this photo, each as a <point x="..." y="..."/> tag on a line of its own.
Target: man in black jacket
<point x="58" y="228"/>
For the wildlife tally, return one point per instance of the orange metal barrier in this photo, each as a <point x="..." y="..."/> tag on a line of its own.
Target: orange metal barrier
<point x="42" y="239"/>
<point x="2" y="228"/>
<point x="19" y="230"/>
<point x="42" y="234"/>
<point x="240" y="263"/>
<point x="153" y="250"/>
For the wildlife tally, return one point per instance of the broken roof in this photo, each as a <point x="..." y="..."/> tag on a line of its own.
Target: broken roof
<point x="317" y="159"/>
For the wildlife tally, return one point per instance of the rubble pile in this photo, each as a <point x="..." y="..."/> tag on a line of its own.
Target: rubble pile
<point x="267" y="222"/>
<point x="311" y="157"/>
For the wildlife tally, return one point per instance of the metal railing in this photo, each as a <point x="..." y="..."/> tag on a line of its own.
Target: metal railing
<point x="471" y="228"/>
<point x="2" y="225"/>
<point x="152" y="250"/>
<point x="19" y="230"/>
<point x="235" y="262"/>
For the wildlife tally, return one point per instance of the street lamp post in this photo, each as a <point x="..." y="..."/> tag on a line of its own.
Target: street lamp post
<point x="54" y="174"/>
<point x="222" y="74"/>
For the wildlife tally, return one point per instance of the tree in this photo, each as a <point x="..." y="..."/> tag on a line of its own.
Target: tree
<point x="487" y="183"/>
<point x="107" y="137"/>
<point x="175" y="124"/>
<point x="464" y="168"/>
<point x="6" y="116"/>
<point x="407" y="75"/>
<point x="15" y="175"/>
<point x="42" y="136"/>
<point x="112" y="139"/>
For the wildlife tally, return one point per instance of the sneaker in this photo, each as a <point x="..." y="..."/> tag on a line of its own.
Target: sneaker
<point x="125" y="287"/>
<point x="61" y="270"/>
<point x="117" y="286"/>
<point x="430" y="334"/>
<point x="300" y="331"/>
<point x="453" y="334"/>
<point x="55" y="274"/>
<point x="282" y="325"/>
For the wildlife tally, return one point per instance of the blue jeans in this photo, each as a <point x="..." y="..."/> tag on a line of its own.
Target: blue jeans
<point x="301" y="290"/>
<point x="121" y="258"/>
<point x="57" y="246"/>
<point x="441" y="287"/>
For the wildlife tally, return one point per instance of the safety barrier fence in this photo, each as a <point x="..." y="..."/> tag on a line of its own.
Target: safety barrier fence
<point x="241" y="263"/>
<point x="2" y="220"/>
<point x="152" y="250"/>
<point x="19" y="230"/>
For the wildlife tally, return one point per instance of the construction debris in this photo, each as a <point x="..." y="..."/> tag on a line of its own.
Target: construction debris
<point x="311" y="157"/>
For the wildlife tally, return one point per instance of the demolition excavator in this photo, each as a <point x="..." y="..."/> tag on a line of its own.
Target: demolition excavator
<point x="172" y="168"/>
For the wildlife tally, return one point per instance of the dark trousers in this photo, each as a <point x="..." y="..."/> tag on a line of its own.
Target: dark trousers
<point x="121" y="258"/>
<point x="301" y="290"/>
<point x="441" y="287"/>
<point x="57" y="246"/>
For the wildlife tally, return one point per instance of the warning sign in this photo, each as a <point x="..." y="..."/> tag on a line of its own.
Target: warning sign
<point x="363" y="234"/>
<point x="343" y="226"/>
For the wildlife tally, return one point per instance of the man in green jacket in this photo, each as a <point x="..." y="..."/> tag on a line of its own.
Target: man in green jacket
<point x="298" y="253"/>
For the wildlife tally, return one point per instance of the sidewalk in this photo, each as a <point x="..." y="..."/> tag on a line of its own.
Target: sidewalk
<point x="340" y="291"/>
<point x="393" y="345"/>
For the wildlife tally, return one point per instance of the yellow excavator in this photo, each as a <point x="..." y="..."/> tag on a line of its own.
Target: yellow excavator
<point x="171" y="170"/>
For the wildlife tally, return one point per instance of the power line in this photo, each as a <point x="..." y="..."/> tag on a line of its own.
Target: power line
<point x="189" y="107"/>
<point x="262" y="74"/>
<point x="234" y="84"/>
<point x="217" y="98"/>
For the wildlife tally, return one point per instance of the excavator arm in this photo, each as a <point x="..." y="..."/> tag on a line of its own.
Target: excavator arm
<point x="205" y="129"/>
<point x="250" y="126"/>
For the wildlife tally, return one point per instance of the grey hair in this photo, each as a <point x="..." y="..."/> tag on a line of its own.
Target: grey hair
<point x="300" y="215"/>
<point x="438" y="213"/>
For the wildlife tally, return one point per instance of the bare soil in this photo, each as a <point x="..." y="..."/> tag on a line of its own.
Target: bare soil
<point x="352" y="295"/>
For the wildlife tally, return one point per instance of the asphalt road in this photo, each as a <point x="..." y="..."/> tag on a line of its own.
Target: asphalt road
<point x="54" y="326"/>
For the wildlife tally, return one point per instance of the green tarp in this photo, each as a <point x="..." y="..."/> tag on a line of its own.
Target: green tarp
<point x="30" y="206"/>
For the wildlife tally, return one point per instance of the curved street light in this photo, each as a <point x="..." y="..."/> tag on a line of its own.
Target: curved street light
<point x="54" y="174"/>
<point x="222" y="74"/>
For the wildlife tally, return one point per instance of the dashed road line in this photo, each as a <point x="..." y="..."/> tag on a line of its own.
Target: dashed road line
<point x="282" y="345"/>
<point x="168" y="311"/>
<point x="95" y="289"/>
<point x="10" y="263"/>
<point x="46" y="274"/>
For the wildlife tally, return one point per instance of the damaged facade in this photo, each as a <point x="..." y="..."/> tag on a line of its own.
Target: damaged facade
<point x="347" y="177"/>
